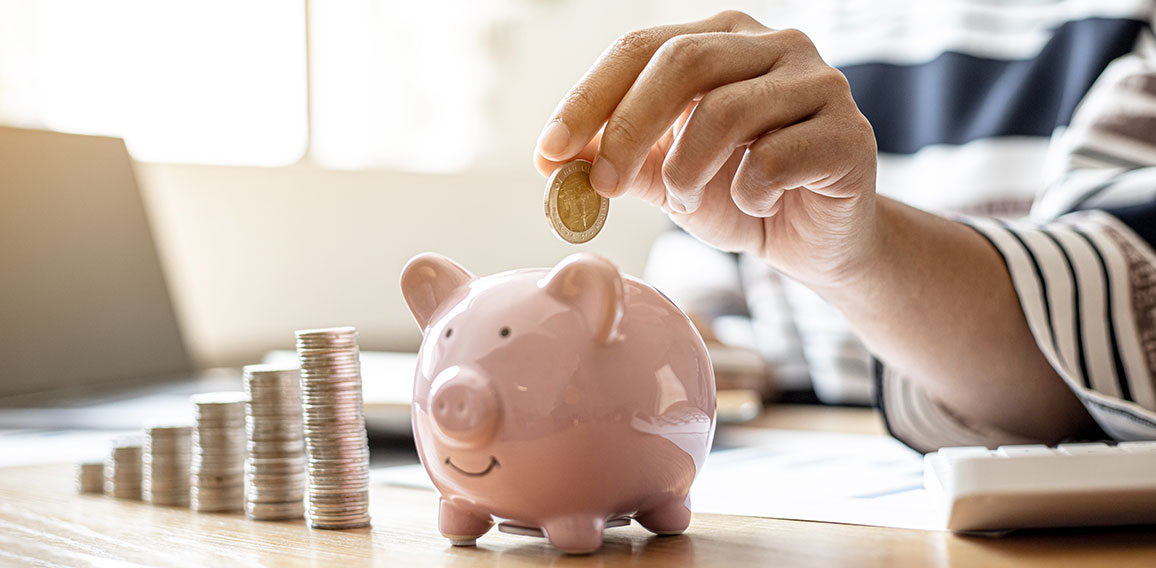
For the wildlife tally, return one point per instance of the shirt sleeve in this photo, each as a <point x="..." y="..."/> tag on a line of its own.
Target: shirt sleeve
<point x="1087" y="285"/>
<point x="1106" y="157"/>
<point x="1086" y="281"/>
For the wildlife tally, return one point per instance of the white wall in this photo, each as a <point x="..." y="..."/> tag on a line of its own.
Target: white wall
<point x="252" y="254"/>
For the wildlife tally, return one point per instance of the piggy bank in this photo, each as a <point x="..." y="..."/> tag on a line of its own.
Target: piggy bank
<point x="560" y="401"/>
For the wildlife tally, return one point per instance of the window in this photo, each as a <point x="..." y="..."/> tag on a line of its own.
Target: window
<point x="400" y="84"/>
<point x="413" y="85"/>
<point x="213" y="81"/>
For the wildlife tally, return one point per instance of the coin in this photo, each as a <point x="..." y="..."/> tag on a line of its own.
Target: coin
<point x="574" y="211"/>
<point x="275" y="468"/>
<point x="122" y="470"/>
<point x="275" y="511"/>
<point x="166" y="458"/>
<point x="91" y="477"/>
<point x="334" y="429"/>
<point x="218" y="452"/>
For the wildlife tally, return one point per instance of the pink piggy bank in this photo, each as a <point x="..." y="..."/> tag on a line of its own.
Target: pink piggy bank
<point x="561" y="400"/>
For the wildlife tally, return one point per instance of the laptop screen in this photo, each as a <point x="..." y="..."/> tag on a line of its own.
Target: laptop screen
<point x="83" y="299"/>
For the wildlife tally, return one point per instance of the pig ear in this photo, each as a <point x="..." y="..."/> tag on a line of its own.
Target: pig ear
<point x="593" y="286"/>
<point x="426" y="281"/>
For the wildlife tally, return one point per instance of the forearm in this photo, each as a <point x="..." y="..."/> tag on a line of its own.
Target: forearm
<point x="935" y="302"/>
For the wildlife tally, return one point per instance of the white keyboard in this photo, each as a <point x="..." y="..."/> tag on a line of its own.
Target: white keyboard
<point x="1015" y="487"/>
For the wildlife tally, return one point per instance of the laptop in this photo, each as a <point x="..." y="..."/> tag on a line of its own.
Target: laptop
<point x="89" y="337"/>
<point x="84" y="307"/>
<point x="83" y="299"/>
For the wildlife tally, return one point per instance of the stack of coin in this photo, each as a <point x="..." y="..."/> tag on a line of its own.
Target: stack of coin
<point x="90" y="478"/>
<point x="334" y="428"/>
<point x="122" y="471"/>
<point x="218" y="463"/>
<point x="275" y="468"/>
<point x="166" y="464"/>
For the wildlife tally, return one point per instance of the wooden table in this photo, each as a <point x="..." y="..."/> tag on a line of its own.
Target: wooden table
<point x="43" y="521"/>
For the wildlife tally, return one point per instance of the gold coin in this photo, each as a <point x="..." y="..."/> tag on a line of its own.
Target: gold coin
<point x="574" y="210"/>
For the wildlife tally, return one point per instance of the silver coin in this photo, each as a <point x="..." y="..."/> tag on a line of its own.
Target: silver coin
<point x="275" y="511"/>
<point x="333" y="424"/>
<point x="275" y="466"/>
<point x="90" y="477"/>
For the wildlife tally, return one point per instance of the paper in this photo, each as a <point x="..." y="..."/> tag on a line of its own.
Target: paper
<point x="812" y="476"/>
<point x="817" y="476"/>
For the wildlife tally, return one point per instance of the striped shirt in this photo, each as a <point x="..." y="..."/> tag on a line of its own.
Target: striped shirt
<point x="1033" y="121"/>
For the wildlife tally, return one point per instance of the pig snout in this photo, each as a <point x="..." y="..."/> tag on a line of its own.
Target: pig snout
<point x="465" y="408"/>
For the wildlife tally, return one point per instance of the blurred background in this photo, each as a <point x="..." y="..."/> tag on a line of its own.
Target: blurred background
<point x="294" y="154"/>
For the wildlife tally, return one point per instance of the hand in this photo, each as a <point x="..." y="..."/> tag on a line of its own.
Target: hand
<point x="742" y="134"/>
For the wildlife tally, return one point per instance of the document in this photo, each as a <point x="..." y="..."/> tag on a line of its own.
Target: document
<point x="816" y="476"/>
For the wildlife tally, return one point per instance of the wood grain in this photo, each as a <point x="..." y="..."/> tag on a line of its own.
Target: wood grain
<point x="43" y="521"/>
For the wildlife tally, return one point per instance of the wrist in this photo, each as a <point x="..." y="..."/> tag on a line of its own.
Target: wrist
<point x="844" y="257"/>
<point x="860" y="274"/>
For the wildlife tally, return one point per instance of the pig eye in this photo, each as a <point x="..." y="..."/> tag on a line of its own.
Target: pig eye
<point x="505" y="332"/>
<point x="449" y="332"/>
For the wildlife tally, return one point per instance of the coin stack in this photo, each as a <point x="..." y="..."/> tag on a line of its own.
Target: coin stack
<point x="166" y="464"/>
<point x="334" y="428"/>
<point x="122" y="471"/>
<point x="218" y="462"/>
<point x="91" y="477"/>
<point x="275" y="468"/>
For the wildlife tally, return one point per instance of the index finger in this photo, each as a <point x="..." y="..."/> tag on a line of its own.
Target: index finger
<point x="589" y="103"/>
<point x="546" y="166"/>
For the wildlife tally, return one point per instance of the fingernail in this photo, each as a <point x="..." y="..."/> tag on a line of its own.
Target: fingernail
<point x="689" y="206"/>
<point x="603" y="177"/>
<point x="554" y="141"/>
<point x="675" y="203"/>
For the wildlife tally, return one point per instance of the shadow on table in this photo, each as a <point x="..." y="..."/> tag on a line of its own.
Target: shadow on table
<point x="1101" y="546"/>
<point x="617" y="550"/>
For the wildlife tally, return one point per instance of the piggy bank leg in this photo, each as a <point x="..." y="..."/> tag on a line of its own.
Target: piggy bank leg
<point x="668" y="518"/>
<point x="461" y="526"/>
<point x="576" y="534"/>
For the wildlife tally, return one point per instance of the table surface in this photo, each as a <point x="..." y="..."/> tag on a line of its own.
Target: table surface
<point x="43" y="521"/>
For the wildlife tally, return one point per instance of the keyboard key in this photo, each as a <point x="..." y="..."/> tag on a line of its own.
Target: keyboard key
<point x="1084" y="449"/>
<point x="1025" y="450"/>
<point x="952" y="454"/>
<point x="1145" y="446"/>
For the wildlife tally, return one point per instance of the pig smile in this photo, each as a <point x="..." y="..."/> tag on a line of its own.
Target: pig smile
<point x="493" y="463"/>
